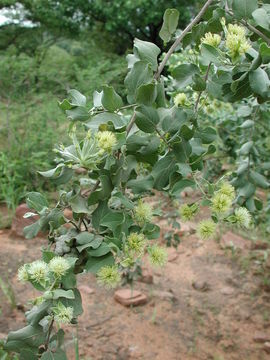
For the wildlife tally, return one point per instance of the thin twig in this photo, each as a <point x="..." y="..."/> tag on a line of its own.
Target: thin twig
<point x="49" y="334"/>
<point x="131" y="123"/>
<point x="200" y="93"/>
<point x="181" y="37"/>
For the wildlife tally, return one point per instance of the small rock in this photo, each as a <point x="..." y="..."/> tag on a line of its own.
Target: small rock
<point x="201" y="285"/>
<point x="186" y="229"/>
<point x="227" y="290"/>
<point x="230" y="239"/>
<point x="172" y="255"/>
<point x="86" y="289"/>
<point x="127" y="297"/>
<point x="164" y="295"/>
<point x="266" y="347"/>
<point x="146" y="277"/>
<point x="19" y="222"/>
<point x="259" y="245"/>
<point x="260" y="337"/>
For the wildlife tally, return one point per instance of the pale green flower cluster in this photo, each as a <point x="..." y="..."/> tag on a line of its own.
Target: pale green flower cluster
<point x="135" y="244"/>
<point x="242" y="217"/>
<point x="236" y="41"/>
<point x="223" y="198"/>
<point x="62" y="314"/>
<point x="39" y="271"/>
<point x="206" y="229"/>
<point x="109" y="276"/>
<point x="187" y="212"/>
<point x="59" y="266"/>
<point x="211" y="39"/>
<point x="143" y="213"/>
<point x="158" y="256"/>
<point x="106" y="141"/>
<point x="180" y="99"/>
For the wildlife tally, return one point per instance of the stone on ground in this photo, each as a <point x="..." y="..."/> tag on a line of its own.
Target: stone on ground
<point x="128" y="297"/>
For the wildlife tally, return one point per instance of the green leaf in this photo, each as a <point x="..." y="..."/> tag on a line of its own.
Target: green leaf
<point x="94" y="264"/>
<point x="146" y="94"/>
<point x="244" y="8"/>
<point x="261" y="18"/>
<point x="147" y="51"/>
<point x="102" y="250"/>
<point x="29" y="337"/>
<point x="112" y="219"/>
<point x="139" y="74"/>
<point x="60" y="293"/>
<point x="75" y="303"/>
<point x="79" y="113"/>
<point x="37" y="313"/>
<point x="32" y="230"/>
<point x="141" y="185"/>
<point x="79" y="205"/>
<point x="36" y="201"/>
<point x="245" y="148"/>
<point x="169" y="26"/>
<point x="265" y="53"/>
<point x="207" y="135"/>
<point x="259" y="82"/>
<point x="209" y="54"/>
<point x="186" y="132"/>
<point x="199" y="83"/>
<point x="181" y="185"/>
<point x="147" y="119"/>
<point x="162" y="171"/>
<point x="110" y="99"/>
<point x="247" y="124"/>
<point x="118" y="121"/>
<point x="59" y="354"/>
<point x="51" y="172"/>
<point x="258" y="179"/>
<point x="184" y="73"/>
<point x="77" y="99"/>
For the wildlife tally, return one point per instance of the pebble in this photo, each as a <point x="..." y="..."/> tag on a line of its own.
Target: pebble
<point x="127" y="297"/>
<point x="227" y="291"/>
<point x="261" y="337"/>
<point x="201" y="285"/>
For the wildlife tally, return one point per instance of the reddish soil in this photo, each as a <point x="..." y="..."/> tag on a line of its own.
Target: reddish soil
<point x="208" y="303"/>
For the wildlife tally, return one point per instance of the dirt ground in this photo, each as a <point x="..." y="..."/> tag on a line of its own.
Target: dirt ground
<point x="208" y="303"/>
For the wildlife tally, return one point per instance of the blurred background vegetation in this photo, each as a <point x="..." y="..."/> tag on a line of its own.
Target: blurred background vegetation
<point x="48" y="47"/>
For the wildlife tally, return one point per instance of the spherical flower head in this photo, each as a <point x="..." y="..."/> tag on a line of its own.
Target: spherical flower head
<point x="38" y="271"/>
<point x="158" y="256"/>
<point x="187" y="212"/>
<point x="206" y="229"/>
<point x="59" y="266"/>
<point x="63" y="314"/>
<point x="106" y="140"/>
<point x="242" y="217"/>
<point x="227" y="189"/>
<point x="23" y="275"/>
<point x="180" y="99"/>
<point x="136" y="243"/>
<point x="211" y="39"/>
<point x="109" y="276"/>
<point x="221" y="203"/>
<point x="143" y="213"/>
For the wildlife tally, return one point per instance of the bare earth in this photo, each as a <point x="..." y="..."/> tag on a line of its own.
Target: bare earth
<point x="208" y="303"/>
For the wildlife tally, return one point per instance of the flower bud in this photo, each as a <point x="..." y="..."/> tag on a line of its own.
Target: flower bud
<point x="143" y="213"/>
<point x="158" y="256"/>
<point x="180" y="99"/>
<point x="63" y="314"/>
<point x="211" y="39"/>
<point x="59" y="266"/>
<point x="221" y="203"/>
<point x="109" y="276"/>
<point x="106" y="140"/>
<point x="38" y="271"/>
<point x="206" y="229"/>
<point x="136" y="243"/>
